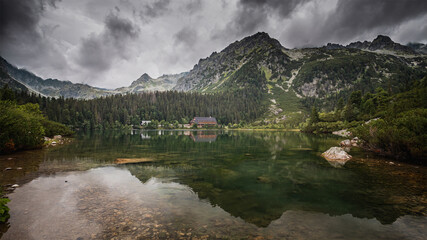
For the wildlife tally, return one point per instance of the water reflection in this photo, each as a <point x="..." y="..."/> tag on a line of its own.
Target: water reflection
<point x="109" y="202"/>
<point x="262" y="183"/>
<point x="203" y="136"/>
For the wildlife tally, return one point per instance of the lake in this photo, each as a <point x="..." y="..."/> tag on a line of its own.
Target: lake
<point x="210" y="185"/>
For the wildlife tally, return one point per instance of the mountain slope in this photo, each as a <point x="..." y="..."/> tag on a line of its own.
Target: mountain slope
<point x="290" y="80"/>
<point x="294" y="80"/>
<point x="383" y="44"/>
<point x="25" y="80"/>
<point x="6" y="79"/>
<point x="52" y="87"/>
<point x="146" y="83"/>
<point x="224" y="70"/>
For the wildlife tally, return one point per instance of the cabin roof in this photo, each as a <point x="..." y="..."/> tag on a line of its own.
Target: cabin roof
<point x="204" y="120"/>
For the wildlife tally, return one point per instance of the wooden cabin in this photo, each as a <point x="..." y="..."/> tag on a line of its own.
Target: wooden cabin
<point x="204" y="121"/>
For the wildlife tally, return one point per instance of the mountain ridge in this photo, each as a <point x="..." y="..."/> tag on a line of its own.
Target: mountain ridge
<point x="271" y="66"/>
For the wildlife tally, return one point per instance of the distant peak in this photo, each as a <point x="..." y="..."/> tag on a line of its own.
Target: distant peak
<point x="145" y="76"/>
<point x="260" y="38"/>
<point x="383" y="39"/>
<point x="261" y="34"/>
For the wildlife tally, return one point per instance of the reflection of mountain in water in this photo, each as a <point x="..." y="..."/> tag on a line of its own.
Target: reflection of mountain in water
<point x="203" y="136"/>
<point x="255" y="175"/>
<point x="248" y="182"/>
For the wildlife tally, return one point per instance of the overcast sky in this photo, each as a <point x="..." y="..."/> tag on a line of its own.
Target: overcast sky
<point x="110" y="43"/>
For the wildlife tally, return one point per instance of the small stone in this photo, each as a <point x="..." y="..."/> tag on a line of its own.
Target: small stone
<point x="57" y="137"/>
<point x="345" y="143"/>
<point x="19" y="168"/>
<point x="9" y="158"/>
<point x="9" y="168"/>
<point x="66" y="181"/>
<point x="15" y="185"/>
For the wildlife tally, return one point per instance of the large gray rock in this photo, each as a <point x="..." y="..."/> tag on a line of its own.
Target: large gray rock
<point x="336" y="156"/>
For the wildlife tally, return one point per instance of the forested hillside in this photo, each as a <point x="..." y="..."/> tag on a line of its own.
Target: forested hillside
<point x="119" y="110"/>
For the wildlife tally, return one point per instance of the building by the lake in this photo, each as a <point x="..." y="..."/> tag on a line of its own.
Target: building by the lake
<point x="204" y="121"/>
<point x="145" y="123"/>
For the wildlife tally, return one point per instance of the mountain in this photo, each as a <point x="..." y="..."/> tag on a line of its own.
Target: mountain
<point x="295" y="79"/>
<point x="230" y="67"/>
<point x="21" y="79"/>
<point x="6" y="79"/>
<point x="146" y="83"/>
<point x="290" y="80"/>
<point x="52" y="87"/>
<point x="383" y="44"/>
<point x="418" y="47"/>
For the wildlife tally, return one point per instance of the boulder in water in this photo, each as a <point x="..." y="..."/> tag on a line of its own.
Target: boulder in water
<point x="337" y="156"/>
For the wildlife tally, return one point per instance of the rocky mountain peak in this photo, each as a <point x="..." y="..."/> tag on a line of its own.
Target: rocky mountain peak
<point x="382" y="39"/>
<point x="258" y="40"/>
<point x="382" y="42"/>
<point x="143" y="79"/>
<point x="332" y="46"/>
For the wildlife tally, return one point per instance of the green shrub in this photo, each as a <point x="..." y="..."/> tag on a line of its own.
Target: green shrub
<point x="4" y="210"/>
<point x="24" y="126"/>
<point x="53" y="128"/>
<point x="403" y="136"/>
<point x="20" y="126"/>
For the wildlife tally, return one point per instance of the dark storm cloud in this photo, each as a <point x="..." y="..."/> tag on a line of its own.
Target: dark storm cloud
<point x="23" y="15"/>
<point x="120" y="28"/>
<point x="100" y="41"/>
<point x="98" y="52"/>
<point x="21" y="37"/>
<point x="346" y="21"/>
<point x="355" y="17"/>
<point x="253" y="14"/>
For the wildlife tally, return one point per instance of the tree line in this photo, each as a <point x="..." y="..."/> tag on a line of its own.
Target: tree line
<point x="119" y="110"/>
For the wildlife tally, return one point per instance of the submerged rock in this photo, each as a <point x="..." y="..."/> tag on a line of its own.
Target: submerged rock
<point x="133" y="160"/>
<point x="263" y="179"/>
<point x="336" y="156"/>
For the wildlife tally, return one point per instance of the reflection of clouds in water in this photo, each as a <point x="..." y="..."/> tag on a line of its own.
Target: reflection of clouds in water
<point x="106" y="201"/>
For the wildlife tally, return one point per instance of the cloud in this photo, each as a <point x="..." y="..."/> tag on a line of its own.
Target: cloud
<point x="110" y="43"/>
<point x="254" y="14"/>
<point x="357" y="17"/>
<point x="21" y="37"/>
<point x="153" y="10"/>
<point x="315" y="22"/>
<point x="97" y="52"/>
<point x="186" y="36"/>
